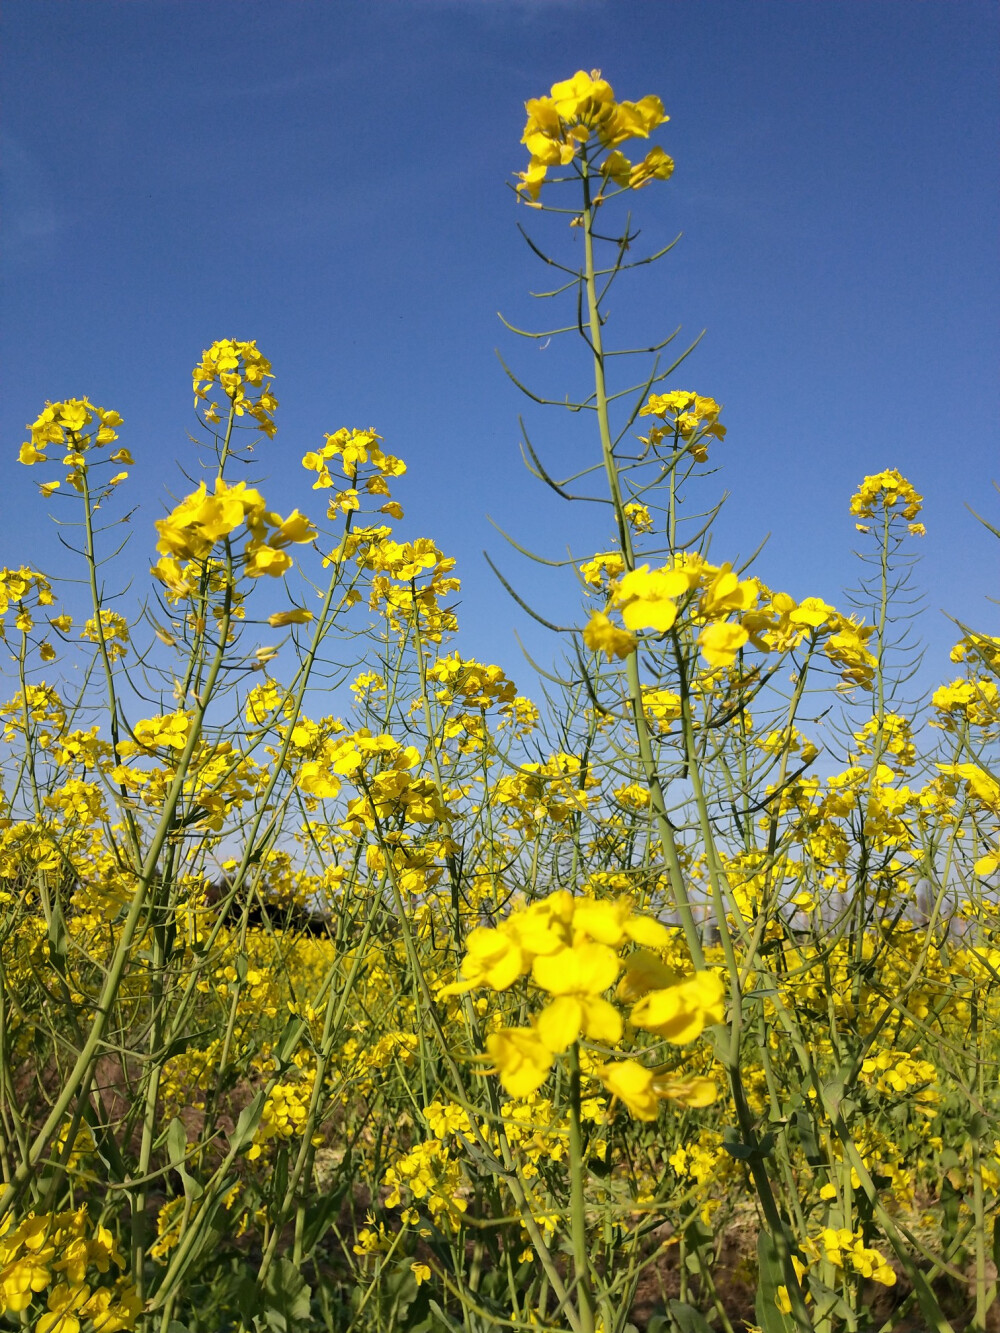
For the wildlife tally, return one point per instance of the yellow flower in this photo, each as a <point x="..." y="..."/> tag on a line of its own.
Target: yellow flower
<point x="295" y="528"/>
<point x="521" y="1059"/>
<point x="811" y="611"/>
<point x="29" y="454"/>
<point x="584" y="97"/>
<point x="493" y="958"/>
<point x="558" y="127"/>
<point x="617" y="166"/>
<point x="646" y="597"/>
<point x="602" y="635"/>
<point x="639" y="517"/>
<point x="200" y="520"/>
<point x="601" y="567"/>
<point x="585" y="969"/>
<point x="644" y="972"/>
<point x="63" y="1301"/>
<point x="169" y="572"/>
<point x="632" y="1084"/>
<point x="721" y="642"/>
<point x="692" y="1092"/>
<point x="725" y="594"/>
<point x="887" y="491"/>
<point x="421" y="1272"/>
<point x="577" y="977"/>
<point x="680" y="1013"/>
<point x="643" y="1089"/>
<point x="562" y="1020"/>
<point x="264" y="559"/>
<point x="656" y="165"/>
<point x="297" y="616"/>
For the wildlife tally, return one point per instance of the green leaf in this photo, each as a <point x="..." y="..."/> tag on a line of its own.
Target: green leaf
<point x="247" y="1124"/>
<point x="770" y="1277"/>
<point x="746" y="1152"/>
<point x="806" y="1127"/>
<point x="291" y="1035"/>
<point x="443" y="1320"/>
<point x="177" y="1148"/>
<point x="321" y="1213"/>
<point x="247" y="1300"/>
<point x="287" y="1298"/>
<point x="57" y="938"/>
<point x="687" y="1318"/>
<point x="696" y="1234"/>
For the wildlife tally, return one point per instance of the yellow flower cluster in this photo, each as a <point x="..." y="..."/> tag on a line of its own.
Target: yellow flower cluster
<point x="887" y="492"/>
<point x="470" y="683"/>
<point x="52" y="1253"/>
<point x="82" y="802"/>
<point x="429" y="1176"/>
<point x="892" y="737"/>
<point x="569" y="946"/>
<point x="166" y="731"/>
<point x="638" y="517"/>
<point x="897" y="1073"/>
<point x="662" y="708"/>
<point x="44" y="709"/>
<point x="555" y="790"/>
<point x="688" y="417"/>
<point x="579" y="111"/>
<point x="846" y="1249"/>
<point x="77" y="426"/>
<point x="354" y="448"/>
<point x="285" y="1112"/>
<point x="371" y="1242"/>
<point x="982" y="786"/>
<point x="596" y="571"/>
<point x="984" y="648"/>
<point x="652" y="599"/>
<point x="647" y="599"/>
<point x="235" y="366"/>
<point x="972" y="702"/>
<point x="113" y="630"/>
<point x="702" y="1161"/>
<point x="406" y="562"/>
<point x="22" y="589"/>
<point x="201" y="520"/>
<point x="373" y="759"/>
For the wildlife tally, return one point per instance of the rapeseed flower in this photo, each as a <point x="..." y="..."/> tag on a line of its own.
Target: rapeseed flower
<point x="602" y="635"/>
<point x="582" y="111"/>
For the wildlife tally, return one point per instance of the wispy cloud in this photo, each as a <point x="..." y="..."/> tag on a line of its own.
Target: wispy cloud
<point x="28" y="191"/>
<point x="278" y="86"/>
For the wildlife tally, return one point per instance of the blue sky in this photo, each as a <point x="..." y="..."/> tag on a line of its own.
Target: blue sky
<point x="330" y="179"/>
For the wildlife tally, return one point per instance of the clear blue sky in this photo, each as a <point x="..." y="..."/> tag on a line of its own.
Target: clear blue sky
<point x="329" y="178"/>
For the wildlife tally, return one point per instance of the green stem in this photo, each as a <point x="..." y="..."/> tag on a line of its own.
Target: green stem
<point x="578" y="1204"/>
